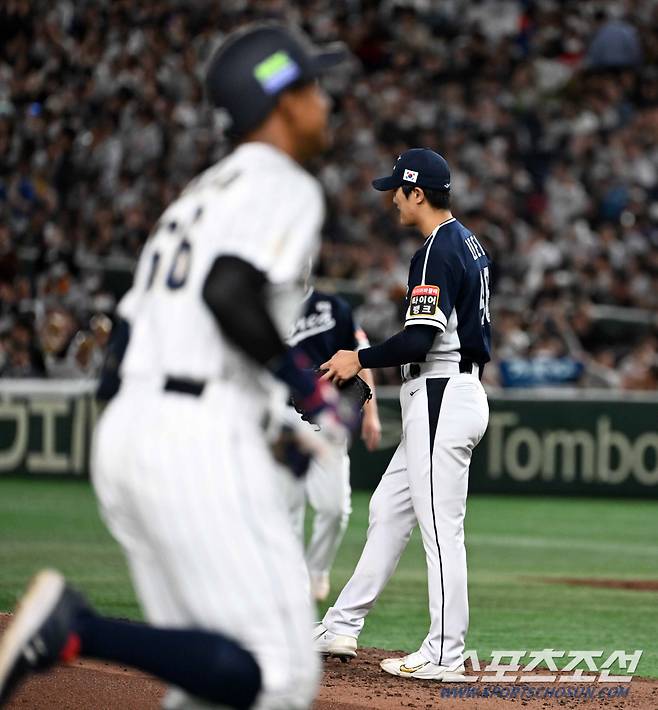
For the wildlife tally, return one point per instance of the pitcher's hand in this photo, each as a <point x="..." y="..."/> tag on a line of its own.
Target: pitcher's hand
<point x="341" y="366"/>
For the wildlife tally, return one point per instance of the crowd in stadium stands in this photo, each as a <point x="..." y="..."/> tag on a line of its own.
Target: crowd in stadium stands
<point x="546" y="111"/>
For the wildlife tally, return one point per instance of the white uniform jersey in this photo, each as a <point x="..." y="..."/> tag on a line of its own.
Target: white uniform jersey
<point x="181" y="476"/>
<point x="256" y="204"/>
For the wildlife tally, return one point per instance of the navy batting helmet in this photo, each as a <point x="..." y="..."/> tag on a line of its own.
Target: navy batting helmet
<point x="255" y="64"/>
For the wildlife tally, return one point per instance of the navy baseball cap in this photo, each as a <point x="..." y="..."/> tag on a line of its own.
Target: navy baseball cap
<point x="418" y="167"/>
<point x="255" y="64"/>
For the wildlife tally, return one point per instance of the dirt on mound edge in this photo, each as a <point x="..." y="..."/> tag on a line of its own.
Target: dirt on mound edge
<point x="358" y="685"/>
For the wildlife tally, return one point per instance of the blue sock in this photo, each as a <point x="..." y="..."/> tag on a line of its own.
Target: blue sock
<point x="205" y="664"/>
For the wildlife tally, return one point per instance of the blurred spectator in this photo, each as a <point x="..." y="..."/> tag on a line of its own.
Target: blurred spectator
<point x="20" y="355"/>
<point x="616" y="44"/>
<point x="547" y="113"/>
<point x="639" y="369"/>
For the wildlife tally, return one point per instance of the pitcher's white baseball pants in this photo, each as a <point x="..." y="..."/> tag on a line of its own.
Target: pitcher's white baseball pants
<point x="426" y="482"/>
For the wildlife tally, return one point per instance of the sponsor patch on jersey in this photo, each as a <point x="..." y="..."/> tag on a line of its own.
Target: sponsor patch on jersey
<point x="410" y="176"/>
<point x="424" y="300"/>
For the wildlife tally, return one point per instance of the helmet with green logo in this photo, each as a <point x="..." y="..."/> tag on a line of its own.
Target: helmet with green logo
<point x="255" y="64"/>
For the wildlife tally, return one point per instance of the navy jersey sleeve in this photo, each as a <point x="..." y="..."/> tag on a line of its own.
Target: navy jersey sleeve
<point x="433" y="286"/>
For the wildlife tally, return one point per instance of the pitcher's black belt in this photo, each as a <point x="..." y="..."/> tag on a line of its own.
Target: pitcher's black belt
<point x="464" y="366"/>
<point x="183" y="385"/>
<point x="468" y="365"/>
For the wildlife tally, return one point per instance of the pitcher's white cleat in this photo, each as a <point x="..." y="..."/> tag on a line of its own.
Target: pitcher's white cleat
<point x="415" y="665"/>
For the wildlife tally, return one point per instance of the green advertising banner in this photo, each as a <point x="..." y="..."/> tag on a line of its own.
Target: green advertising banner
<point x="573" y="443"/>
<point x="45" y="427"/>
<point x="566" y="442"/>
<point x="579" y="446"/>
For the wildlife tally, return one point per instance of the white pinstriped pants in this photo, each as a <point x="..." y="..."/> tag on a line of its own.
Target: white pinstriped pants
<point x="426" y="482"/>
<point x="188" y="487"/>
<point x="326" y="487"/>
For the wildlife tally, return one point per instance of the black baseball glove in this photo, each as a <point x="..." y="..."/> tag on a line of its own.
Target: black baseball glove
<point x="356" y="391"/>
<point x="289" y="451"/>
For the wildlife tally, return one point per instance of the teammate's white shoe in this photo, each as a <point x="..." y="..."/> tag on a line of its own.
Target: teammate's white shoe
<point x="415" y="665"/>
<point x="328" y="644"/>
<point x="320" y="586"/>
<point x="40" y="634"/>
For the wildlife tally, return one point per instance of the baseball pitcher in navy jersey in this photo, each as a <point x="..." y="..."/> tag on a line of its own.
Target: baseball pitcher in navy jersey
<point x="442" y="350"/>
<point x="325" y="326"/>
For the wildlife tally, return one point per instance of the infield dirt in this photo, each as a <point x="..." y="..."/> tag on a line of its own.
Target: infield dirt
<point x="358" y="685"/>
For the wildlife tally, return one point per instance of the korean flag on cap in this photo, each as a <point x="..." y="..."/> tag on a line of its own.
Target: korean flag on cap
<point x="410" y="176"/>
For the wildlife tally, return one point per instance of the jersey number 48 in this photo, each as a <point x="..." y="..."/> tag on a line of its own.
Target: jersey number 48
<point x="485" y="317"/>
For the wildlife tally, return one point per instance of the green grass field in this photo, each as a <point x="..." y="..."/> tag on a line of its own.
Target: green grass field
<point x="512" y="544"/>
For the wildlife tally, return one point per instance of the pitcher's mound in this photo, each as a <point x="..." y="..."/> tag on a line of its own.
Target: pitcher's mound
<point x="358" y="685"/>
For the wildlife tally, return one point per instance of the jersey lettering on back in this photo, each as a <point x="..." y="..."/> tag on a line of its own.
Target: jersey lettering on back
<point x="325" y="326"/>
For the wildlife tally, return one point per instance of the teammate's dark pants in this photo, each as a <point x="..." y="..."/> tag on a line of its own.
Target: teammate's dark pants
<point x="205" y="664"/>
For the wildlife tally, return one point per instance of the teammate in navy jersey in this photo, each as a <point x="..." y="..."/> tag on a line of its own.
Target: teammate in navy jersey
<point x="442" y="350"/>
<point x="325" y="326"/>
